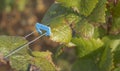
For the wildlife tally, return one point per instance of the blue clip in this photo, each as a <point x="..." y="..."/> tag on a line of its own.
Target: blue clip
<point x="40" y="27"/>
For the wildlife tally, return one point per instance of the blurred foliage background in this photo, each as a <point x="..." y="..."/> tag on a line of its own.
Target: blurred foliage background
<point x="100" y="29"/>
<point x="18" y="17"/>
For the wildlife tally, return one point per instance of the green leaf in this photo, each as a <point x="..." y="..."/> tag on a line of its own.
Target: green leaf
<point x="72" y="18"/>
<point x="54" y="11"/>
<point x="110" y="54"/>
<point x="41" y="54"/>
<point x="43" y="61"/>
<point x="57" y="10"/>
<point x="61" y="31"/>
<point x="69" y="3"/>
<point x="43" y="64"/>
<point x="102" y="62"/>
<point x="86" y="46"/>
<point x="112" y="42"/>
<point x="87" y="6"/>
<point x="20" y="62"/>
<point x="98" y="14"/>
<point x="106" y="60"/>
<point x="60" y="18"/>
<point x="20" y="59"/>
<point x="9" y="43"/>
<point x="60" y="28"/>
<point x="84" y="29"/>
<point x="85" y="65"/>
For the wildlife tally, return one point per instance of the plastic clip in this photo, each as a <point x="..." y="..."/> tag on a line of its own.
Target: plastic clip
<point x="40" y="27"/>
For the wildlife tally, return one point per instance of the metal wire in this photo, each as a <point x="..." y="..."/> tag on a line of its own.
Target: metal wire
<point x="30" y="34"/>
<point x="19" y="48"/>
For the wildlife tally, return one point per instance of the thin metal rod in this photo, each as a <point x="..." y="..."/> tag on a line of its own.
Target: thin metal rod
<point x="19" y="48"/>
<point x="30" y="34"/>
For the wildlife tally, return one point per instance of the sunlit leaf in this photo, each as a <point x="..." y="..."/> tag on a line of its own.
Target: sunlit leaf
<point x="69" y="3"/>
<point x="60" y="28"/>
<point x="84" y="29"/>
<point x="86" y="46"/>
<point x="61" y="31"/>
